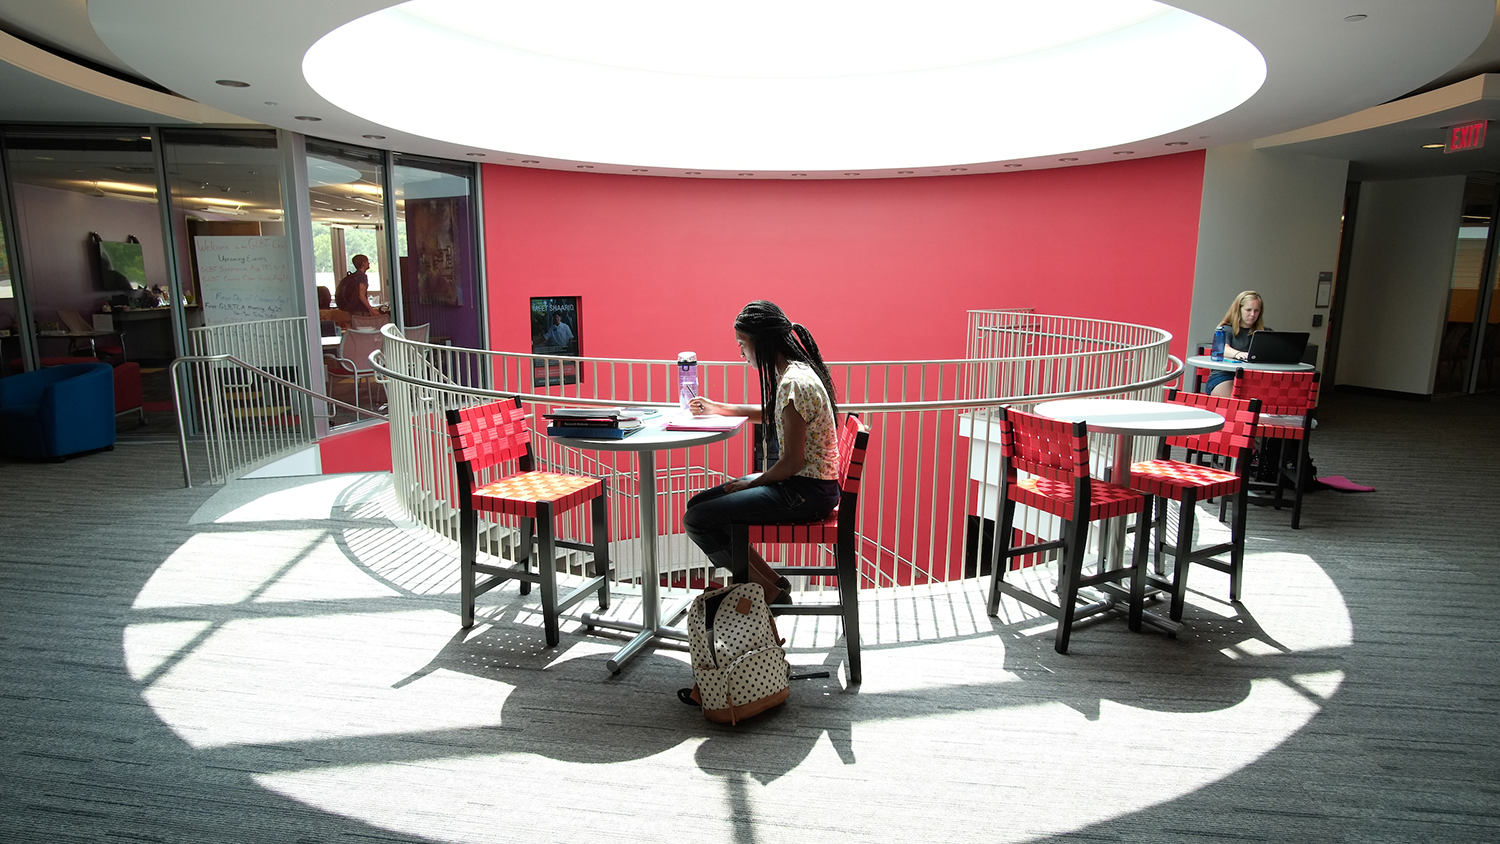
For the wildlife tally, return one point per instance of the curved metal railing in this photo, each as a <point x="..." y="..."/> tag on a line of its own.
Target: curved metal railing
<point x="927" y="489"/>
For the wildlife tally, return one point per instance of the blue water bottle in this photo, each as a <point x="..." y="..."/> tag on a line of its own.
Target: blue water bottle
<point x="1220" y="336"/>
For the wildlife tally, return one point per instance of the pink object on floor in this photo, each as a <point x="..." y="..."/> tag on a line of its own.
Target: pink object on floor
<point x="1343" y="484"/>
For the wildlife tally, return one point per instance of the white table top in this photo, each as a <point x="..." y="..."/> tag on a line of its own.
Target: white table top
<point x="652" y="437"/>
<point x="1131" y="417"/>
<point x="1207" y="362"/>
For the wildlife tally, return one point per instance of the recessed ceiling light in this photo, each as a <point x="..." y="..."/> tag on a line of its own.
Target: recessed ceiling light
<point x="1067" y="159"/>
<point x="475" y="154"/>
<point x="1015" y="165"/>
<point x="960" y="169"/>
<point x="374" y="137"/>
<point x="1125" y="152"/>
<point x="1433" y="146"/>
<point x="1177" y="143"/>
<point x="640" y="170"/>
<point x="799" y="174"/>
<point x="1355" y="18"/>
<point x="904" y="172"/>
<point x="816" y="96"/>
<point x="270" y="103"/>
<point x="309" y="118"/>
<point x="851" y="174"/>
<point x="695" y="172"/>
<point x="231" y="83"/>
<point x="747" y="174"/>
<point x="530" y="161"/>
<point x="585" y="167"/>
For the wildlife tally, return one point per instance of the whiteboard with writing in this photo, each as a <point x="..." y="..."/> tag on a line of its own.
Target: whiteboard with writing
<point x="245" y="279"/>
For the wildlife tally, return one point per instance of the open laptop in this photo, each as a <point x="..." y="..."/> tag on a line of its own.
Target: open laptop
<point x="1277" y="346"/>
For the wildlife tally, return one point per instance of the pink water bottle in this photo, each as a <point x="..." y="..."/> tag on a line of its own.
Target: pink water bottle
<point x="687" y="379"/>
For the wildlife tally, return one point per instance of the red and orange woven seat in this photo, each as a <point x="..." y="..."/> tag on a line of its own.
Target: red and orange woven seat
<point x="484" y="437"/>
<point x="1055" y="457"/>
<point x="1288" y="401"/>
<point x="1171" y="478"/>
<point x="1191" y="482"/>
<point x="854" y="440"/>
<point x="518" y="495"/>
<point x="1106" y="500"/>
<point x="825" y="532"/>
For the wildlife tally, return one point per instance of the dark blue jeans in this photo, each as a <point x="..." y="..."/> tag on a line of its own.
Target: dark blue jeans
<point x="712" y="511"/>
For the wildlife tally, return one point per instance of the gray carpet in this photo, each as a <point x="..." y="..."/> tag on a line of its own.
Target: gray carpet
<point x="278" y="660"/>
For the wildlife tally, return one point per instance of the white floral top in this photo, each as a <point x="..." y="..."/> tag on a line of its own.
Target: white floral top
<point x="801" y="386"/>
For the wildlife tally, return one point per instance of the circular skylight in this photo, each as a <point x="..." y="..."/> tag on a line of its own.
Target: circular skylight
<point x="778" y="85"/>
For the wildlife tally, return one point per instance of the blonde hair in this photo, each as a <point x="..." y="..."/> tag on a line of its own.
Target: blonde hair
<point x="1232" y="316"/>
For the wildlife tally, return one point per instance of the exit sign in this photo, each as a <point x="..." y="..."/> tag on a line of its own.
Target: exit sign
<point x="1466" y="136"/>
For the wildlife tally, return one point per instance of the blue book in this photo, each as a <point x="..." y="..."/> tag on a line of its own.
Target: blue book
<point x="590" y="433"/>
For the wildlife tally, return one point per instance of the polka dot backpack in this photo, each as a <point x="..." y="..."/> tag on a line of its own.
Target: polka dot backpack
<point x="739" y="668"/>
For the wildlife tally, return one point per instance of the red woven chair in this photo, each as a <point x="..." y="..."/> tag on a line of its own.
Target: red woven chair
<point x="1056" y="454"/>
<point x="1189" y="483"/>
<point x="837" y="530"/>
<point x="1292" y="396"/>
<point x="496" y="433"/>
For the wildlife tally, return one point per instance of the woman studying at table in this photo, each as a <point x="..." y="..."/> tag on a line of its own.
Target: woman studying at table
<point x="797" y="403"/>
<point x="1243" y="319"/>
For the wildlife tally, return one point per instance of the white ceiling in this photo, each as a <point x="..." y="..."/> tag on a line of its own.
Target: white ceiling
<point x="1321" y="68"/>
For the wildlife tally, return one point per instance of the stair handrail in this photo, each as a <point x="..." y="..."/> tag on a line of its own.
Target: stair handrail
<point x="177" y="398"/>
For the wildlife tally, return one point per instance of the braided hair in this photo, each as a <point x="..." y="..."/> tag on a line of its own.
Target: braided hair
<point x="773" y="334"/>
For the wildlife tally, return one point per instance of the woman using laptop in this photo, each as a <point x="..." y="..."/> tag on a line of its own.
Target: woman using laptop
<point x="1243" y="319"/>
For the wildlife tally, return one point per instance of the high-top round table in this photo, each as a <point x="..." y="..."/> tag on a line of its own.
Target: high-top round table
<point x="645" y="443"/>
<point x="1128" y="418"/>
<point x="1227" y="365"/>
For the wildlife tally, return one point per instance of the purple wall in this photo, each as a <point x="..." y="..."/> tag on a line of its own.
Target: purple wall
<point x="54" y="228"/>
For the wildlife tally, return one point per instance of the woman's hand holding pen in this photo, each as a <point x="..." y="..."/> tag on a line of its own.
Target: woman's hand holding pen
<point x="700" y="406"/>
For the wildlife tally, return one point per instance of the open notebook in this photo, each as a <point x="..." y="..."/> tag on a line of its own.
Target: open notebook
<point x="684" y="422"/>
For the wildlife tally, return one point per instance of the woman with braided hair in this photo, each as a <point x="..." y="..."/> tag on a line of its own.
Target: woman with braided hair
<point x="797" y="404"/>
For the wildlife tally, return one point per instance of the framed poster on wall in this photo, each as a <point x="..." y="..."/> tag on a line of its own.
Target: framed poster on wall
<point x="431" y="238"/>
<point x="556" y="323"/>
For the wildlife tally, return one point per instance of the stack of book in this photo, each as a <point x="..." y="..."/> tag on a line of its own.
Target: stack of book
<point x="600" y="423"/>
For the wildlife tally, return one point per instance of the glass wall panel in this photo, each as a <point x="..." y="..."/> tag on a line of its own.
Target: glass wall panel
<point x="226" y="189"/>
<point x="89" y="229"/>
<point x="1457" y="352"/>
<point x="10" y="323"/>
<point x="347" y="194"/>
<point x="435" y="235"/>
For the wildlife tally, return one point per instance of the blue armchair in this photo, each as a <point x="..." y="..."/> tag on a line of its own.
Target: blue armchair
<point x="58" y="411"/>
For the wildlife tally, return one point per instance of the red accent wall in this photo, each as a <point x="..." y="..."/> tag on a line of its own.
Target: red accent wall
<point x="881" y="269"/>
<point x="363" y="449"/>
